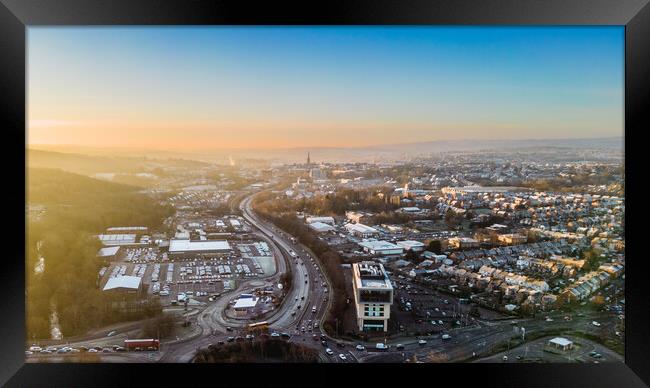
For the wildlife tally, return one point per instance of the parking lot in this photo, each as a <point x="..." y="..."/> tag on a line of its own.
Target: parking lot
<point x="418" y="309"/>
<point x="199" y="279"/>
<point x="583" y="351"/>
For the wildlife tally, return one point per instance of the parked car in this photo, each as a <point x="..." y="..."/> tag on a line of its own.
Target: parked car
<point x="329" y="351"/>
<point x="342" y="357"/>
<point x="360" y="348"/>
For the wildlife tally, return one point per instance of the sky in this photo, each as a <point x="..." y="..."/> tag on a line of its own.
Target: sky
<point x="283" y="87"/>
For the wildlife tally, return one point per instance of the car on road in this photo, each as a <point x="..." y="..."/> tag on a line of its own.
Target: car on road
<point x="381" y="346"/>
<point x="250" y="337"/>
<point x="505" y="358"/>
<point x="324" y="343"/>
<point x="91" y="350"/>
<point x="228" y="328"/>
<point x="315" y="337"/>
<point x="342" y="357"/>
<point x="274" y="334"/>
<point x="285" y="335"/>
<point x="112" y="333"/>
<point x="239" y="338"/>
<point x="28" y="352"/>
<point x="446" y="336"/>
<point x="399" y="347"/>
<point x="107" y="350"/>
<point x="360" y="348"/>
<point x="595" y="324"/>
<point x="422" y="342"/>
<point x="35" y="348"/>
<point x="230" y="339"/>
<point x="329" y="351"/>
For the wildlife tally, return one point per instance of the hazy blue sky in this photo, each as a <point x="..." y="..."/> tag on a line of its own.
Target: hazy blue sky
<point x="188" y="87"/>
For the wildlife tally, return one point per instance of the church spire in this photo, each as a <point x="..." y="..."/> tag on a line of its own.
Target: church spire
<point x="308" y="159"/>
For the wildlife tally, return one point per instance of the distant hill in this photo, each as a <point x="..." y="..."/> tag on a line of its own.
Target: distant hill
<point x="54" y="186"/>
<point x="329" y="154"/>
<point x="92" y="164"/>
<point x="78" y="202"/>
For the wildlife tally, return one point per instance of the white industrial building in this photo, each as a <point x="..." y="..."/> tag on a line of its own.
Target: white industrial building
<point x="373" y="295"/>
<point x="129" y="284"/>
<point x="206" y="246"/>
<point x="118" y="239"/>
<point x="244" y="304"/>
<point x="415" y="246"/>
<point x="361" y="230"/>
<point x="324" y="220"/>
<point x="108" y="252"/>
<point x="320" y="227"/>
<point x="385" y="248"/>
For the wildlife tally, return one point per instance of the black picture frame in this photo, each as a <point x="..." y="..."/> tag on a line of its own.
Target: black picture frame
<point x="17" y="15"/>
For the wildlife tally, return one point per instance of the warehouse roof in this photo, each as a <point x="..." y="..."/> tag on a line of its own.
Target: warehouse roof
<point x="130" y="282"/>
<point x="113" y="239"/>
<point x="194" y="246"/>
<point x="320" y="227"/>
<point x="108" y="251"/>
<point x="243" y="303"/>
<point x="410" y="244"/>
<point x="376" y="245"/>
<point x="361" y="228"/>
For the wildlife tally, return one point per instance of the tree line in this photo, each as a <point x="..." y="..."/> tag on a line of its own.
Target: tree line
<point x="77" y="209"/>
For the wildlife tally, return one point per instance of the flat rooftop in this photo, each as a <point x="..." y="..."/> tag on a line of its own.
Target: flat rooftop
<point x="127" y="282"/>
<point x="369" y="274"/>
<point x="197" y="246"/>
<point x="378" y="245"/>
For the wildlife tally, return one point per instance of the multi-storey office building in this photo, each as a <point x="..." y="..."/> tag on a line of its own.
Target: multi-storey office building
<point x="373" y="295"/>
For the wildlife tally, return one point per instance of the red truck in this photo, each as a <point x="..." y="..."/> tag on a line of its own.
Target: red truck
<point x="142" y="344"/>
